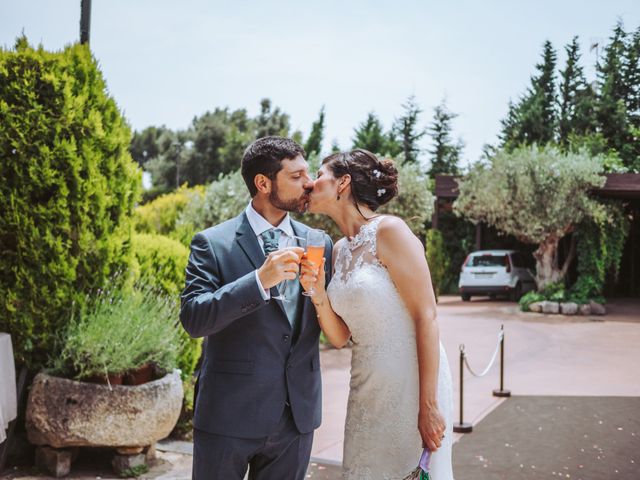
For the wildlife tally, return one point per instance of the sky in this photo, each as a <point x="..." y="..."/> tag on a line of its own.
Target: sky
<point x="168" y="61"/>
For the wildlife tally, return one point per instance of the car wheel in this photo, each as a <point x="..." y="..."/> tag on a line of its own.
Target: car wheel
<point x="492" y="296"/>
<point x="465" y="297"/>
<point x="516" y="293"/>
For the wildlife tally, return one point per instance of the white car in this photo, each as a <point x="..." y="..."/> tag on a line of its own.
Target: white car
<point x="495" y="272"/>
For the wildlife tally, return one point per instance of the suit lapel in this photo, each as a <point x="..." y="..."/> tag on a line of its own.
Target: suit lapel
<point x="248" y="242"/>
<point x="246" y="238"/>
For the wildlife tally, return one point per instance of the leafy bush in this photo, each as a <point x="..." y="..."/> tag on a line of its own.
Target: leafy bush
<point x="556" y="292"/>
<point x="414" y="203"/>
<point x="599" y="246"/>
<point x="228" y="196"/>
<point x="68" y="187"/>
<point x="225" y="198"/>
<point x="459" y="239"/>
<point x="161" y="264"/>
<point x="161" y="261"/>
<point x="120" y="330"/>
<point x="161" y="215"/>
<point x="437" y="259"/>
<point x="529" y="298"/>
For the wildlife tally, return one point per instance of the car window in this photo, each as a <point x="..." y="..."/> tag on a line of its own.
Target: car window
<point x="489" y="261"/>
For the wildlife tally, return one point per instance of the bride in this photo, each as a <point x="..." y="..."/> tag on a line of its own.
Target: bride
<point x="381" y="297"/>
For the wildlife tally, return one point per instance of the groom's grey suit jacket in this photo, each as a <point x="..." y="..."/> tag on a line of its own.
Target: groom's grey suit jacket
<point x="253" y="362"/>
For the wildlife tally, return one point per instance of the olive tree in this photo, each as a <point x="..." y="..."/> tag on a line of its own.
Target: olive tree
<point x="538" y="195"/>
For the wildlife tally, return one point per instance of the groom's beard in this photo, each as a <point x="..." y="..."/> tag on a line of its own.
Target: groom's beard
<point x="298" y="205"/>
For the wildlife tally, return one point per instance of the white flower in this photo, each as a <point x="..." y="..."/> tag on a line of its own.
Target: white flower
<point x="381" y="191"/>
<point x="377" y="173"/>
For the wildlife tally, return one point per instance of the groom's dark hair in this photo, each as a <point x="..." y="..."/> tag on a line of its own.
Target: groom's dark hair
<point x="264" y="156"/>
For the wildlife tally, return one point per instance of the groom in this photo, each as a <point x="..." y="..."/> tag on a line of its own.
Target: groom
<point x="259" y="390"/>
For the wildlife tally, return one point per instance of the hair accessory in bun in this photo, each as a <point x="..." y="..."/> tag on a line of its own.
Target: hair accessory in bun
<point x="381" y="191"/>
<point x="377" y="173"/>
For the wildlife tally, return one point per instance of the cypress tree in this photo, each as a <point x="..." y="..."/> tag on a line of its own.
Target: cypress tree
<point x="631" y="75"/>
<point x="68" y="187"/>
<point x="314" y="142"/>
<point x="534" y="118"/>
<point x="612" y="114"/>
<point x="370" y="136"/>
<point x="406" y="128"/>
<point x="271" y="122"/>
<point x="445" y="154"/>
<point x="576" y="99"/>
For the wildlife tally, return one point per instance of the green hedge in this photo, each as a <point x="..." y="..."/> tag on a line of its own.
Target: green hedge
<point x="437" y="259"/>
<point x="599" y="251"/>
<point x="162" y="215"/>
<point x="161" y="262"/>
<point x="68" y="187"/>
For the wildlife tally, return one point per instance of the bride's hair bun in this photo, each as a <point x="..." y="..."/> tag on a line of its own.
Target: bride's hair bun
<point x="374" y="182"/>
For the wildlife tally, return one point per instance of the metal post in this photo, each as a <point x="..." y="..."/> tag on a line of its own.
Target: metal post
<point x="85" y="20"/>
<point x="501" y="392"/>
<point x="462" y="427"/>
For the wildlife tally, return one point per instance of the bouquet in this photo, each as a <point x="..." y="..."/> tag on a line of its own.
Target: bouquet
<point x="422" y="470"/>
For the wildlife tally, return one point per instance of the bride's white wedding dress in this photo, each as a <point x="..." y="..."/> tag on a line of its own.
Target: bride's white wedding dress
<point x="381" y="433"/>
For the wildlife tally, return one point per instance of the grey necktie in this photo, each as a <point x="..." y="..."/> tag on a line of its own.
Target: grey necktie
<point x="271" y="240"/>
<point x="290" y="288"/>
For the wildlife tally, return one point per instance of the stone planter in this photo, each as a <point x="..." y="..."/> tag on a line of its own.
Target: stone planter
<point x="63" y="413"/>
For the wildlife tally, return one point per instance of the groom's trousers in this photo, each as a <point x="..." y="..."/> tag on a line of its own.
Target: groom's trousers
<point x="283" y="455"/>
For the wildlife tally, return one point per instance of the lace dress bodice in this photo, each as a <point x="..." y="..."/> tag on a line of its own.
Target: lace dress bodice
<point x="361" y="290"/>
<point x="381" y="434"/>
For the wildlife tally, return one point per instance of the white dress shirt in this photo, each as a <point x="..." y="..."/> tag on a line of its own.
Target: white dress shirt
<point x="259" y="225"/>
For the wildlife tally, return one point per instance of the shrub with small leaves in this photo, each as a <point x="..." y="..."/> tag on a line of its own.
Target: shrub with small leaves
<point x="68" y="187"/>
<point x="160" y="216"/>
<point x="161" y="263"/>
<point x="225" y="198"/>
<point x="437" y="259"/>
<point x="120" y="330"/>
<point x="414" y="203"/>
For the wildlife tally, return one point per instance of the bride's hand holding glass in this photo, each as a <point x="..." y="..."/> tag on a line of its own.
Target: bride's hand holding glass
<point x="312" y="277"/>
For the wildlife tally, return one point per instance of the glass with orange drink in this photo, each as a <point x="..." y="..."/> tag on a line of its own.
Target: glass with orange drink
<point x="314" y="252"/>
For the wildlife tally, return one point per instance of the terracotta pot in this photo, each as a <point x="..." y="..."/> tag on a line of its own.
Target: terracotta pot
<point x="139" y="376"/>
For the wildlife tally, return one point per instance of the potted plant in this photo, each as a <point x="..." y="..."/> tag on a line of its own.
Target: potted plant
<point x="82" y="402"/>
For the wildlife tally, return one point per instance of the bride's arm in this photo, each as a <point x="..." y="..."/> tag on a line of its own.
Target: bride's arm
<point x="331" y="324"/>
<point x="403" y="255"/>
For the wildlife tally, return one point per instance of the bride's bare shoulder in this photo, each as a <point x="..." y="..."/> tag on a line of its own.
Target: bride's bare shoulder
<point x="391" y="226"/>
<point x="393" y="233"/>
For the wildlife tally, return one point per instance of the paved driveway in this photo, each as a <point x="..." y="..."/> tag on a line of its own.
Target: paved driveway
<point x="544" y="355"/>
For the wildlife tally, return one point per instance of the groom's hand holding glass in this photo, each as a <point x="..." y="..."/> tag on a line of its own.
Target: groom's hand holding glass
<point x="279" y="266"/>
